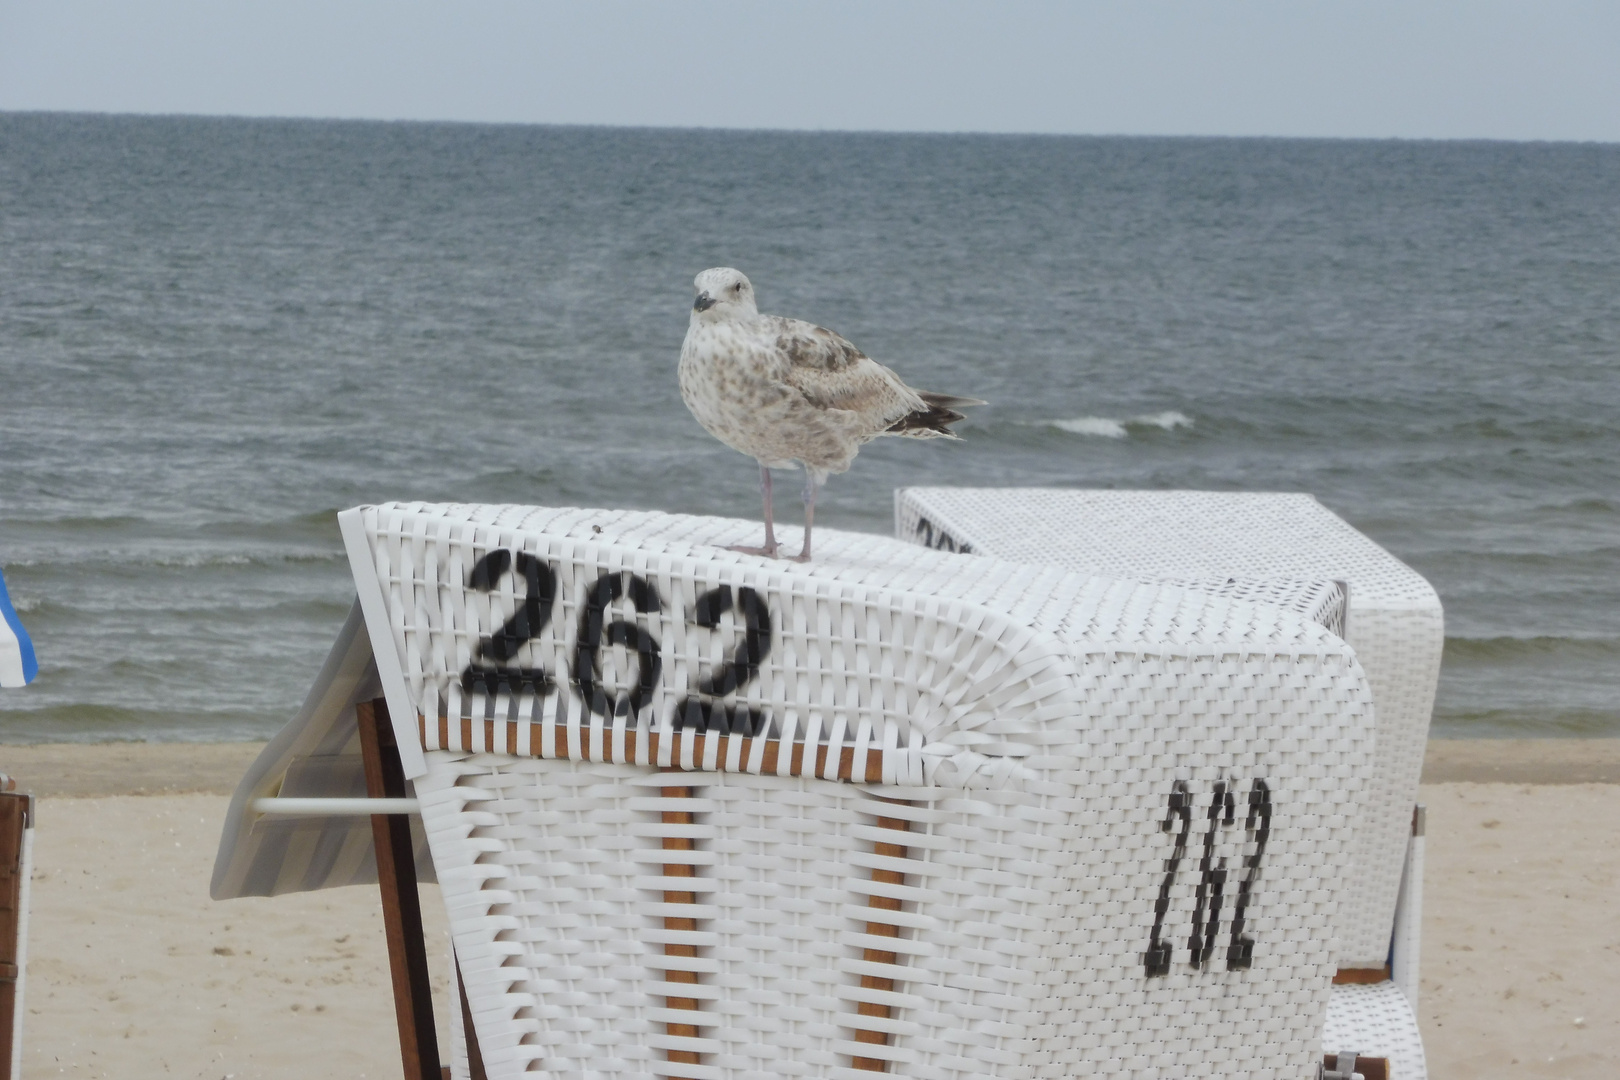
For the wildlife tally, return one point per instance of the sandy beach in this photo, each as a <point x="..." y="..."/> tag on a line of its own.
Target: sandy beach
<point x="134" y="972"/>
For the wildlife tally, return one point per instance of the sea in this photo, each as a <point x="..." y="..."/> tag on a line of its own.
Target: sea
<point x="216" y="333"/>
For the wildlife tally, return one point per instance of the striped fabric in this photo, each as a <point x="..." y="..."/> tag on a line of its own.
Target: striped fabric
<point x="316" y="755"/>
<point x="17" y="664"/>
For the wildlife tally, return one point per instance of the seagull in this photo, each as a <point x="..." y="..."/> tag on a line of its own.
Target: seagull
<point x="787" y="392"/>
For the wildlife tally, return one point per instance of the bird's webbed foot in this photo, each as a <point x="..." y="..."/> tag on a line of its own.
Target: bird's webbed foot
<point x="770" y="551"/>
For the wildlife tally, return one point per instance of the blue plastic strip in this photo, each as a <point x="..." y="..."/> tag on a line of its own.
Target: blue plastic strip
<point x="30" y="666"/>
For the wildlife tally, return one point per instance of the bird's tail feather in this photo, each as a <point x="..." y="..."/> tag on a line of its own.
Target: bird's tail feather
<point x="934" y="420"/>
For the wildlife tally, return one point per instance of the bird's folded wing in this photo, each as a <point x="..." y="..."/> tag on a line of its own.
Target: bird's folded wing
<point x="833" y="374"/>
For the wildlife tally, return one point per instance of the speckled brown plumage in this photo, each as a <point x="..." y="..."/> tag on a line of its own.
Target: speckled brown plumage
<point x="787" y="392"/>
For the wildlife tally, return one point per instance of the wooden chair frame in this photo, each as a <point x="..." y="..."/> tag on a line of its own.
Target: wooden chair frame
<point x="16" y="814"/>
<point x="402" y="908"/>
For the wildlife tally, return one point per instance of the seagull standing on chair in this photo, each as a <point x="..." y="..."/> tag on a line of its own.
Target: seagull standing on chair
<point x="787" y="392"/>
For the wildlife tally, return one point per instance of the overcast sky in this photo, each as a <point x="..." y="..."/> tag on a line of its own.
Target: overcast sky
<point x="1418" y="68"/>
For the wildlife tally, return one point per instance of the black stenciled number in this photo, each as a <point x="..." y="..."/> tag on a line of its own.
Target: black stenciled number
<point x="698" y="714"/>
<point x="1157" y="960"/>
<point x="587" y="650"/>
<point x="1240" y="954"/>
<point x="1206" y="920"/>
<point x="540" y="592"/>
<point x="938" y="539"/>
<point x="1212" y="882"/>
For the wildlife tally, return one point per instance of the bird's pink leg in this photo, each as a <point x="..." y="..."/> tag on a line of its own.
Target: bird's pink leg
<point x="809" y="514"/>
<point x="770" y="549"/>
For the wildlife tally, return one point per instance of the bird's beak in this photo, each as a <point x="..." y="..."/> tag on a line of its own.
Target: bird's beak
<point x="703" y="303"/>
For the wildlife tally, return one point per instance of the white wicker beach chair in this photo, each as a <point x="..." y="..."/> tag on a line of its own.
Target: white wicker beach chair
<point x="696" y="814"/>
<point x="1290" y="550"/>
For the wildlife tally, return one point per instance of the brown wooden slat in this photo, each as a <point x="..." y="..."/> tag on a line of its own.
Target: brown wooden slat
<point x="679" y="870"/>
<point x="1360" y="976"/>
<point x="559" y="747"/>
<point x="401" y="904"/>
<point x="876" y="956"/>
<point x="13" y="823"/>
<point x="1370" y="1068"/>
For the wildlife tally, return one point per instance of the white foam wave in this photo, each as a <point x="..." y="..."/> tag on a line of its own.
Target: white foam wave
<point x="1107" y="427"/>
<point x="1169" y="421"/>
<point x="1102" y="426"/>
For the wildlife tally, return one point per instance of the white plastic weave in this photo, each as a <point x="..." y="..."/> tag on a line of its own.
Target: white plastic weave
<point x="1048" y="741"/>
<point x="1406" y="950"/>
<point x="1376" y="1020"/>
<point x="1272" y="542"/>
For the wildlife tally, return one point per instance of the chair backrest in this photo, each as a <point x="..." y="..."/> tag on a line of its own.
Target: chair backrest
<point x="701" y="815"/>
<point x="1260" y="543"/>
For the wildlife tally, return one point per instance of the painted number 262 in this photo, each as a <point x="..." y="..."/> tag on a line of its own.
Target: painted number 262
<point x="1212" y="879"/>
<point x="704" y="707"/>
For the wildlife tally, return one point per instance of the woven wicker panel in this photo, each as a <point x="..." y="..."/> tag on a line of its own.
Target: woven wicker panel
<point x="1261" y="547"/>
<point x="1376" y="1020"/>
<point x="1023" y="926"/>
<point x="1081" y="765"/>
<point x="1407" y="953"/>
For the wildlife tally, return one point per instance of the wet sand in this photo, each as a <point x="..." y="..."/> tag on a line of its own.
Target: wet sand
<point x="135" y="973"/>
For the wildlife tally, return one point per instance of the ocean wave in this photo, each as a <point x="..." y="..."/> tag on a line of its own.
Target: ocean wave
<point x="1525" y="723"/>
<point x="95" y="723"/>
<point x="192" y="560"/>
<point x="1507" y="650"/>
<point x="322" y="521"/>
<point x="1107" y="427"/>
<point x="78" y="523"/>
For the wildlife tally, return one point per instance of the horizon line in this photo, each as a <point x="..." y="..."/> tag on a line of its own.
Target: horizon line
<point x="916" y="132"/>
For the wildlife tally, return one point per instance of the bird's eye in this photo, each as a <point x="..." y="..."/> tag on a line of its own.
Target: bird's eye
<point x="738" y="286"/>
